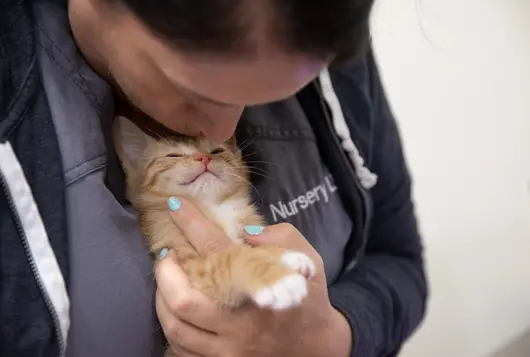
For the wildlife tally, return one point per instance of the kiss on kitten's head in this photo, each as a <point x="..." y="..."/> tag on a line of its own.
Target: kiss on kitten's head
<point x="178" y="166"/>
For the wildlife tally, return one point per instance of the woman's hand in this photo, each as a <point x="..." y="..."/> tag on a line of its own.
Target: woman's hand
<point x="197" y="326"/>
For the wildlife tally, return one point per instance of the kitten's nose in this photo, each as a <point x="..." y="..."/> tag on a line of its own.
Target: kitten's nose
<point x="202" y="157"/>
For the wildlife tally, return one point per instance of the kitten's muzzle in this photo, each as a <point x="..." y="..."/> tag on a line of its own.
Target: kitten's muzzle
<point x="202" y="157"/>
<point x="201" y="172"/>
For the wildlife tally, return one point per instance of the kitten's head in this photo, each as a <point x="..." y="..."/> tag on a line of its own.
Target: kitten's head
<point x="188" y="167"/>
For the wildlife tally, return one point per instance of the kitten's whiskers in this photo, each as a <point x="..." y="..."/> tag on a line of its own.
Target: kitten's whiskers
<point x="247" y="181"/>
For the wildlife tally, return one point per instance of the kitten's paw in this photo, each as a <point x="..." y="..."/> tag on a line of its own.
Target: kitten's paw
<point x="299" y="262"/>
<point x="285" y="293"/>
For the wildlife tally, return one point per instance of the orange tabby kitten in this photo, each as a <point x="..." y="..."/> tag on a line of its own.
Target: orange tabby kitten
<point x="215" y="179"/>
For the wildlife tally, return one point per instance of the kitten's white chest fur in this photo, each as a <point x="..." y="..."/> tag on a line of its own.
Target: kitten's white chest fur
<point x="230" y="215"/>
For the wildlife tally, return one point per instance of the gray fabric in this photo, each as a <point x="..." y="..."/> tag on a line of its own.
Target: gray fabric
<point x="112" y="287"/>
<point x="292" y="184"/>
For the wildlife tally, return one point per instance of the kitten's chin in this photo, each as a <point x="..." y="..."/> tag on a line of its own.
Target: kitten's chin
<point x="206" y="177"/>
<point x="202" y="178"/>
<point x="208" y="186"/>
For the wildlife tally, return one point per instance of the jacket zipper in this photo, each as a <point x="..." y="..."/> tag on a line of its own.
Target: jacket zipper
<point x="47" y="301"/>
<point x="360" y="201"/>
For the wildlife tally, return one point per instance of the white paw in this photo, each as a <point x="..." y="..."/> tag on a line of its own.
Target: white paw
<point x="285" y="293"/>
<point x="300" y="262"/>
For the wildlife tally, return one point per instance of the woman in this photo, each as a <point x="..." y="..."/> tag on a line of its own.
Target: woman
<point x="76" y="279"/>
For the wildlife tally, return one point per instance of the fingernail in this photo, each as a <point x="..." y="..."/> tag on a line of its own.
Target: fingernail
<point x="174" y="203"/>
<point x="163" y="253"/>
<point x="254" y="230"/>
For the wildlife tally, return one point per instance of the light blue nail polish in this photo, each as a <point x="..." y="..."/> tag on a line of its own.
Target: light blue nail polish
<point x="254" y="230"/>
<point x="163" y="253"/>
<point x="174" y="203"/>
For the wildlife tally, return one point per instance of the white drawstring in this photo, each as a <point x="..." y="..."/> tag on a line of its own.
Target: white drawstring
<point x="367" y="178"/>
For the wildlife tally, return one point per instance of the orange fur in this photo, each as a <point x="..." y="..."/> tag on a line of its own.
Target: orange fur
<point x="231" y="276"/>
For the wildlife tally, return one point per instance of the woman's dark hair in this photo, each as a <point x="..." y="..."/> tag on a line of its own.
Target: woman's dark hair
<point x="316" y="27"/>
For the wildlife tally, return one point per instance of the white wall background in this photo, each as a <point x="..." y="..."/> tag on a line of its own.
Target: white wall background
<point x="458" y="76"/>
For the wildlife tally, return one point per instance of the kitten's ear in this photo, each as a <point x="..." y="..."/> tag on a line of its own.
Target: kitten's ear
<point x="130" y="142"/>
<point x="232" y="144"/>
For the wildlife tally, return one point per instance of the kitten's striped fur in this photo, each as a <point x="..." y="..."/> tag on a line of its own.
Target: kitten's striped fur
<point x="272" y="277"/>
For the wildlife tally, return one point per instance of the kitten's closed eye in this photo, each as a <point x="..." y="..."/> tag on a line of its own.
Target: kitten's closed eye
<point x="213" y="152"/>
<point x="217" y="151"/>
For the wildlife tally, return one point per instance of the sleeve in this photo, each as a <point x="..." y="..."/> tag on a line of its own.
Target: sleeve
<point x="384" y="296"/>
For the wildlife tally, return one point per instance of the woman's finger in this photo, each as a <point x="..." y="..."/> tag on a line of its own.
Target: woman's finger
<point x="283" y="235"/>
<point x="183" y="335"/>
<point x="205" y="237"/>
<point x="179" y="351"/>
<point x="287" y="236"/>
<point x="182" y="300"/>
